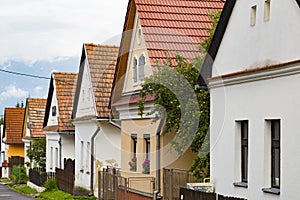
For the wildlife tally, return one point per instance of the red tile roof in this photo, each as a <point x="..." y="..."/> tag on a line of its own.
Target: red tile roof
<point x="102" y="63"/>
<point x="65" y="84"/>
<point x="173" y="27"/>
<point x="36" y="111"/>
<point x="14" y="118"/>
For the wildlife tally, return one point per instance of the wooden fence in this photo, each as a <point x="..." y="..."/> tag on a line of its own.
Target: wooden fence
<point x="187" y="194"/>
<point x="66" y="177"/>
<point x="112" y="186"/>
<point x="14" y="160"/>
<point x="173" y="180"/>
<point x="39" y="176"/>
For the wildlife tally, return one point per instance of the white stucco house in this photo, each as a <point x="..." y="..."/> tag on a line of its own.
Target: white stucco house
<point x="254" y="65"/>
<point x="3" y="156"/>
<point x="59" y="130"/>
<point x="97" y="138"/>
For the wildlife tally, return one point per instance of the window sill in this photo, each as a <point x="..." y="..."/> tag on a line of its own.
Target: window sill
<point x="241" y="184"/>
<point x="271" y="190"/>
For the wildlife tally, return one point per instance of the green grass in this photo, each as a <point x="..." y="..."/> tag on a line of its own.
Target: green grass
<point x="24" y="189"/>
<point x="58" y="195"/>
<point x="5" y="180"/>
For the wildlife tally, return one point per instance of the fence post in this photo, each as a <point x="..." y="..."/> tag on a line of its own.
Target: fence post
<point x="171" y="184"/>
<point x="125" y="189"/>
<point x="99" y="185"/>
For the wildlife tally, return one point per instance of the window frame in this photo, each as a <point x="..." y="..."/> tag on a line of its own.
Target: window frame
<point x="244" y="125"/>
<point x="275" y="146"/>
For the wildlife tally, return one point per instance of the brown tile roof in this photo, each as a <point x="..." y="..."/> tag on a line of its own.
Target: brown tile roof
<point x="102" y="62"/>
<point x="170" y="27"/>
<point x="173" y="27"/>
<point x="14" y="118"/>
<point x="65" y="84"/>
<point x="36" y="111"/>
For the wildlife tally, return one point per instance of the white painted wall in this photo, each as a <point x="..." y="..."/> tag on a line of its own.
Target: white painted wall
<point x="246" y="47"/>
<point x="276" y="98"/>
<point x="67" y="146"/>
<point x="52" y="120"/>
<point x="86" y="105"/>
<point x="52" y="140"/>
<point x="107" y="147"/>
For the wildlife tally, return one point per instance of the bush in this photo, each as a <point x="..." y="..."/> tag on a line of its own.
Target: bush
<point x="19" y="174"/>
<point x="51" y="185"/>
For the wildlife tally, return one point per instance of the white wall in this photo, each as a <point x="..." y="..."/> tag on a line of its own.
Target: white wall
<point x="52" y="120"/>
<point x="67" y="146"/>
<point x="107" y="144"/>
<point x="52" y="140"/>
<point x="86" y="105"/>
<point x="276" y="98"/>
<point x="244" y="46"/>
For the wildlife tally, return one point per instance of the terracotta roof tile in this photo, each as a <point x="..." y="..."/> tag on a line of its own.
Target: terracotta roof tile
<point x="102" y="62"/>
<point x="180" y="22"/>
<point x="65" y="91"/>
<point x="36" y="111"/>
<point x="14" y="118"/>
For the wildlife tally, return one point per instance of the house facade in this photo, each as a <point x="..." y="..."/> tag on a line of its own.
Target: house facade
<point x="12" y="131"/>
<point x="150" y="37"/>
<point x="58" y="128"/>
<point x="97" y="139"/>
<point x="254" y="98"/>
<point x="33" y="124"/>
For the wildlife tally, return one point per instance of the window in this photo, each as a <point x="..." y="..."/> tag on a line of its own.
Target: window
<point x="244" y="151"/>
<point x="267" y="10"/>
<point x="147" y="146"/>
<point x="275" y="153"/>
<point x="253" y="16"/>
<point x="87" y="157"/>
<point x="82" y="156"/>
<point x="51" y="157"/>
<point x="134" y="144"/>
<point x="56" y="157"/>
<point x="53" y="111"/>
<point x="139" y="36"/>
<point x="142" y="62"/>
<point x="134" y="70"/>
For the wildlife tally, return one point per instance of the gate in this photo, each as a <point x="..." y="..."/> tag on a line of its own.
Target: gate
<point x="66" y="177"/>
<point x="173" y="180"/>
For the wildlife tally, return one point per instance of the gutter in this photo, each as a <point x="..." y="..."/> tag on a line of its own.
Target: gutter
<point x="158" y="132"/>
<point x="92" y="154"/>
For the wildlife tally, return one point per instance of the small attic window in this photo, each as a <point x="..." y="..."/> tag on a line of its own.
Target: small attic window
<point x="253" y="16"/>
<point x="267" y="10"/>
<point x="53" y="111"/>
<point x="139" y="36"/>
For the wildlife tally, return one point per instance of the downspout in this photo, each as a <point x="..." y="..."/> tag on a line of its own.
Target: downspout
<point x="92" y="159"/>
<point x="60" y="152"/>
<point x="158" y="132"/>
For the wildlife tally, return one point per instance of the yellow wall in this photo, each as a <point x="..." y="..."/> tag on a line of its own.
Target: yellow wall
<point x="16" y="150"/>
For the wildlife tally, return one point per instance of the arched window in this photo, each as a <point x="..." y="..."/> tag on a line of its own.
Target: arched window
<point x="134" y="70"/>
<point x="142" y="63"/>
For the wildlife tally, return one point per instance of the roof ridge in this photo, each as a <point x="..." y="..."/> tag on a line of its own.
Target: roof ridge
<point x="101" y="45"/>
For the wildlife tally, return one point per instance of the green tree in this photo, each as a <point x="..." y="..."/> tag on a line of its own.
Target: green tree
<point x="1" y="120"/>
<point x="20" y="105"/>
<point x="37" y="152"/>
<point x="186" y="108"/>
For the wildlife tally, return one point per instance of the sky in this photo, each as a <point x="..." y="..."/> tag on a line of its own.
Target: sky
<point x="41" y="36"/>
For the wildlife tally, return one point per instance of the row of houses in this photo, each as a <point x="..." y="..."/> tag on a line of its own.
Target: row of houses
<point x="251" y="70"/>
<point x="92" y="116"/>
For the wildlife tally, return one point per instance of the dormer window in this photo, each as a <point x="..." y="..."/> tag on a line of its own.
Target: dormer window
<point x="142" y="62"/>
<point x="53" y="111"/>
<point x="134" y="70"/>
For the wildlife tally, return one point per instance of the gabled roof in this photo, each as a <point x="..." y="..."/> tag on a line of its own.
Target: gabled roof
<point x="206" y="69"/>
<point x="36" y="112"/>
<point x="169" y="27"/>
<point x="65" y="85"/>
<point x="101" y="62"/>
<point x="13" y="125"/>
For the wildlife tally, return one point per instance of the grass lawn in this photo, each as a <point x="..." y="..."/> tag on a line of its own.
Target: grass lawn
<point x="24" y="189"/>
<point x="58" y="195"/>
<point x="5" y="180"/>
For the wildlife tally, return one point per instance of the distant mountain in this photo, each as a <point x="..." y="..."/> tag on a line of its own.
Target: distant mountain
<point x="16" y="88"/>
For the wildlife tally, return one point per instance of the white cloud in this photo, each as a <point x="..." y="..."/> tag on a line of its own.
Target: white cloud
<point x="38" y="89"/>
<point x="12" y="91"/>
<point x="38" y="30"/>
